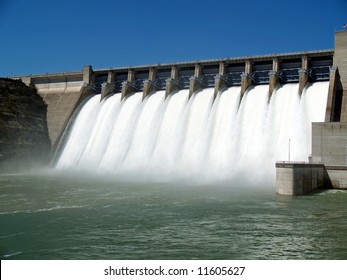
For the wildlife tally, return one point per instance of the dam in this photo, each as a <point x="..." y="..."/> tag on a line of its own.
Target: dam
<point x="225" y="119"/>
<point x="63" y="91"/>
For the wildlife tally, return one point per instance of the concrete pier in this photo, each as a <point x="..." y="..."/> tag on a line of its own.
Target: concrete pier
<point x="303" y="77"/>
<point x="172" y="83"/>
<point x="329" y="143"/>
<point x="195" y="81"/>
<point x="149" y="85"/>
<point x="299" y="178"/>
<point x="273" y="76"/>
<point x="128" y="85"/>
<point x="171" y="86"/>
<point x="107" y="87"/>
<point x="246" y="77"/>
<point x="329" y="155"/>
<point x="88" y="75"/>
<point x="303" y="178"/>
<point x="221" y="82"/>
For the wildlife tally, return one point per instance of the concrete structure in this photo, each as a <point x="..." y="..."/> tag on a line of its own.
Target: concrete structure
<point x="329" y="138"/>
<point x="303" y="76"/>
<point x="329" y="147"/>
<point x="64" y="91"/>
<point x="221" y="82"/>
<point x="246" y="80"/>
<point x="299" y="178"/>
<point x="273" y="77"/>
<point x="303" y="178"/>
<point x="340" y="62"/>
<point x="336" y="177"/>
<point x="329" y="143"/>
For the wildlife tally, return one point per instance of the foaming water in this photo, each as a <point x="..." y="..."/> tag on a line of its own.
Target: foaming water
<point x="80" y="133"/>
<point x="98" y="140"/>
<point x="200" y="139"/>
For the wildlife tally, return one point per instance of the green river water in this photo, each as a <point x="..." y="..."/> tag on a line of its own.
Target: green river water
<point x="50" y="216"/>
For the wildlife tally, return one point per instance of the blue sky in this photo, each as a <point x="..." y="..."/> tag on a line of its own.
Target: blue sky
<point x="40" y="36"/>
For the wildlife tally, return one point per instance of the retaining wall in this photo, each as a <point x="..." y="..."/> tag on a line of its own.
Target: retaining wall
<point x="299" y="178"/>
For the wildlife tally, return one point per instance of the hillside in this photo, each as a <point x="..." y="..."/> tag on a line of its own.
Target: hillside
<point x="24" y="140"/>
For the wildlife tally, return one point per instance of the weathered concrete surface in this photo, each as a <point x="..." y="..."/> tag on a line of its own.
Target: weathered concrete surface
<point x="303" y="178"/>
<point x="62" y="92"/>
<point x="61" y="98"/>
<point x="246" y="78"/>
<point x="299" y="178"/>
<point x="149" y="85"/>
<point x="219" y="81"/>
<point x="273" y="78"/>
<point x="127" y="86"/>
<point x="329" y="163"/>
<point x="337" y="176"/>
<point x="171" y="82"/>
<point x="340" y="61"/>
<point x="195" y="83"/>
<point x="329" y="143"/>
<point x="303" y="77"/>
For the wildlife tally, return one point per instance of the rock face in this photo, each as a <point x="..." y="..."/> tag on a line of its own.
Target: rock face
<point x="24" y="137"/>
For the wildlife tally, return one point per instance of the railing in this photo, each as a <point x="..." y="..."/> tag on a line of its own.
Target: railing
<point x="316" y="73"/>
<point x="233" y="78"/>
<point x="208" y="80"/>
<point x="160" y="83"/>
<point x="184" y="81"/>
<point x="138" y="84"/>
<point x="293" y="162"/>
<point x="117" y="86"/>
<point x="290" y="164"/>
<point x="289" y="75"/>
<point x="320" y="73"/>
<point x="94" y="87"/>
<point x="260" y="77"/>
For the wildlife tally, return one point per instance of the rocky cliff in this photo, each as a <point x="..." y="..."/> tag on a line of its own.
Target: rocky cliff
<point x="24" y="137"/>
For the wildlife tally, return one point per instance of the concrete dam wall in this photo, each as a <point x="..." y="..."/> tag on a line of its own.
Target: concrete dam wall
<point x="64" y="91"/>
<point x="195" y="138"/>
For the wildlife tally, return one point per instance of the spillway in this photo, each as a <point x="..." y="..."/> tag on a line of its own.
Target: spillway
<point x="196" y="139"/>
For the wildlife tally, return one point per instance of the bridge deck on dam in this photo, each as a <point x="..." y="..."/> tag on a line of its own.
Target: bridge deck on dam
<point x="285" y="66"/>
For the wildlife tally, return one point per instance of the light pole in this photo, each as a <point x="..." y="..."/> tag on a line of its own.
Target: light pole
<point x="289" y="150"/>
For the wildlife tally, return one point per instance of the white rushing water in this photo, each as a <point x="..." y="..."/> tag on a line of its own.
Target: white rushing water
<point x="198" y="139"/>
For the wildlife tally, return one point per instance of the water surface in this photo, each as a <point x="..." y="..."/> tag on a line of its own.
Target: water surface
<point x="50" y="216"/>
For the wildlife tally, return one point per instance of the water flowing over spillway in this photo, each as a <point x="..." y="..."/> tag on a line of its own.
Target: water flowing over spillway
<point x="197" y="139"/>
